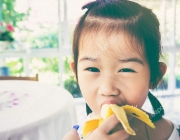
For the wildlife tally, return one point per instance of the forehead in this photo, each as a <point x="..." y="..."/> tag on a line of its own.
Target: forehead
<point x="114" y="45"/>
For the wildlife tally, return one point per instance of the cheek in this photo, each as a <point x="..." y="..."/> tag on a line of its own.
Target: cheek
<point x="89" y="96"/>
<point x="86" y="79"/>
<point x="84" y="82"/>
<point x="135" y="91"/>
<point x="137" y="98"/>
<point x="88" y="88"/>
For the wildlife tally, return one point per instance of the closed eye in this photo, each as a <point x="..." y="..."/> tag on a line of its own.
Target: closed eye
<point x="126" y="70"/>
<point x="92" y="69"/>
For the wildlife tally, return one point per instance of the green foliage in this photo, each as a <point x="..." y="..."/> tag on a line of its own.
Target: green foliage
<point x="72" y="86"/>
<point x="45" y="64"/>
<point x="38" y="35"/>
<point x="9" y="15"/>
<point x="15" y="65"/>
<point x="45" y="38"/>
<point x="45" y="67"/>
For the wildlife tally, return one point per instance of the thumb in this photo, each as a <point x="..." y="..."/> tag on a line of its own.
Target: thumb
<point x="109" y="124"/>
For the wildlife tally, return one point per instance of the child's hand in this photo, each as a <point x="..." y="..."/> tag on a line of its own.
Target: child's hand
<point x="102" y="132"/>
<point x="71" y="135"/>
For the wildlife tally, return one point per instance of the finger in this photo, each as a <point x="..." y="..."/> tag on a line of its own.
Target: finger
<point x="119" y="135"/>
<point x="71" y="135"/>
<point x="109" y="124"/>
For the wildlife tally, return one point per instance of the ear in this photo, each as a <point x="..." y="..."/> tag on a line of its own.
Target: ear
<point x="73" y="67"/>
<point x="163" y="68"/>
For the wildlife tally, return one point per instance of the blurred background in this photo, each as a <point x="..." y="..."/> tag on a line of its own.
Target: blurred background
<point x="36" y="37"/>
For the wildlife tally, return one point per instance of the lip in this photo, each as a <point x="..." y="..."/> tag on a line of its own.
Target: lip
<point x="110" y="102"/>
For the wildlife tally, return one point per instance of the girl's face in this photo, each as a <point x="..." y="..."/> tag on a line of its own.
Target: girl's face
<point x="110" y="71"/>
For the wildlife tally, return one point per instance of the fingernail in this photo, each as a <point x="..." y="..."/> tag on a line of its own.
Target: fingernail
<point x="76" y="127"/>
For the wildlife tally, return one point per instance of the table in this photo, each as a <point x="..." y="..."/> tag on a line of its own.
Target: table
<point x="30" y="110"/>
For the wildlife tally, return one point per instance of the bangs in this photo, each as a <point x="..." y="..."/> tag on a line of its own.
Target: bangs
<point x="111" y="30"/>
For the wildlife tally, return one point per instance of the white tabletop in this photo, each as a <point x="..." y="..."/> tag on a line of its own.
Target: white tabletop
<point x="34" y="111"/>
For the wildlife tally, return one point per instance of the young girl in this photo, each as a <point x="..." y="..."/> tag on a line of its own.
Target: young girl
<point x="116" y="49"/>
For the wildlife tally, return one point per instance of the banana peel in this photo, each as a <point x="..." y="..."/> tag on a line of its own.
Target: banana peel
<point x="139" y="114"/>
<point x="120" y="112"/>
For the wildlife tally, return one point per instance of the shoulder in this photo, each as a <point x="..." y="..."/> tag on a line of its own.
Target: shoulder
<point x="163" y="130"/>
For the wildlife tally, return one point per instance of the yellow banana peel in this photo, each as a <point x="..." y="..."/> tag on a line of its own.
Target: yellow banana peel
<point x="120" y="112"/>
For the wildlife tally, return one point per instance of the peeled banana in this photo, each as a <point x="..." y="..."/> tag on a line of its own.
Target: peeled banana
<point x="120" y="112"/>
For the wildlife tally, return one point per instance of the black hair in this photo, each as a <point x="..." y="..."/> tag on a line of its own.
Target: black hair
<point x="137" y="21"/>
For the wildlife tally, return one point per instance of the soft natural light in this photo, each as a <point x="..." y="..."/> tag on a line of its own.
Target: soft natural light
<point x="46" y="94"/>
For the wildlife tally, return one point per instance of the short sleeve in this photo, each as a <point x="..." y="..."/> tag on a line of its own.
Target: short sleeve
<point x="80" y="132"/>
<point x="176" y="132"/>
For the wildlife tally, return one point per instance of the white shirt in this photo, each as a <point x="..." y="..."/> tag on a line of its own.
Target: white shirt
<point x="176" y="132"/>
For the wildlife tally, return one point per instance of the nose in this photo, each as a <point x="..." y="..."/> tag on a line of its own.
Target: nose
<point x="108" y="87"/>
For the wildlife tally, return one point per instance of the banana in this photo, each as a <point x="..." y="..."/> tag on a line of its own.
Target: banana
<point x="121" y="115"/>
<point x="135" y="112"/>
<point x="120" y="112"/>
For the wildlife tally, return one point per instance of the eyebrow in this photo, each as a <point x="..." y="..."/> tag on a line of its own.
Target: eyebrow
<point x="133" y="59"/>
<point x="88" y="59"/>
